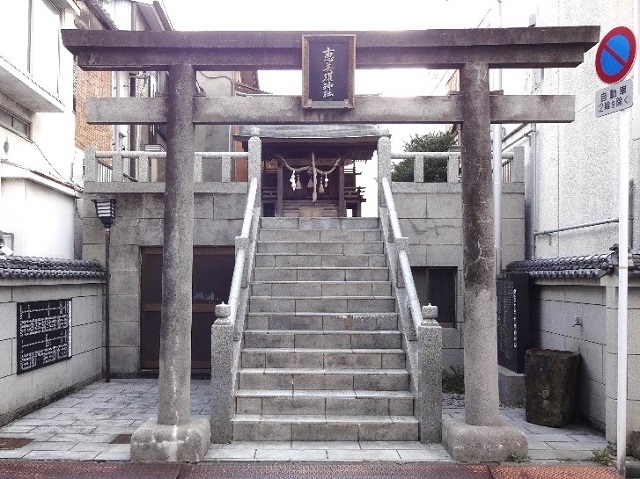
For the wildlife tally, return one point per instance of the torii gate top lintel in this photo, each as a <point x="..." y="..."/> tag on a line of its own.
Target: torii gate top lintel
<point x="444" y="48"/>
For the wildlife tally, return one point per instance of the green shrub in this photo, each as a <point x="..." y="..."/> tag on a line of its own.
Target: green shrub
<point x="453" y="382"/>
<point x="602" y="456"/>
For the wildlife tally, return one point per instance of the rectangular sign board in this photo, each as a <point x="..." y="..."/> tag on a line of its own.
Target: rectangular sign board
<point x="613" y="98"/>
<point x="328" y="70"/>
<point x="513" y="320"/>
<point x="44" y="333"/>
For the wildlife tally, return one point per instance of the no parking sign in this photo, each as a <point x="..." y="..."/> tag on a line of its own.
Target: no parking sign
<point x="615" y="55"/>
<point x="614" y="60"/>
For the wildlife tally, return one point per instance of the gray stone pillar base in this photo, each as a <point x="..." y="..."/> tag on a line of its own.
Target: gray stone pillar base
<point x="467" y="443"/>
<point x="154" y="442"/>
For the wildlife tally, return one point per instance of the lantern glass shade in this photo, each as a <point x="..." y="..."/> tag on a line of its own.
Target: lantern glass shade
<point x="106" y="211"/>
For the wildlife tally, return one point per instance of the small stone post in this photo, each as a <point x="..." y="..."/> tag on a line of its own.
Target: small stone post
<point x="384" y="164"/>
<point x="222" y="376"/>
<point x="430" y="380"/>
<point x="482" y="436"/>
<point x="174" y="436"/>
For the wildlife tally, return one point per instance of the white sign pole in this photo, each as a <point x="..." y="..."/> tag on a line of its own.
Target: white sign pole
<point x="623" y="281"/>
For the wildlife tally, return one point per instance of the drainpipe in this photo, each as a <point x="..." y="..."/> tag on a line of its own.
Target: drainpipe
<point x="534" y="188"/>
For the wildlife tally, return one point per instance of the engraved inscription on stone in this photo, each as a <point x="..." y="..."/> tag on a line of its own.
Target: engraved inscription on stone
<point x="44" y="333"/>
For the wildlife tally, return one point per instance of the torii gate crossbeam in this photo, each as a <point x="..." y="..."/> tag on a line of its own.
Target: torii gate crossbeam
<point x="175" y="437"/>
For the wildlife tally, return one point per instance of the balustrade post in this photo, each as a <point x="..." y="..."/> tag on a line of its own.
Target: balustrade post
<point x="453" y="168"/>
<point x="143" y="168"/>
<point x="517" y="165"/>
<point x="430" y="376"/>
<point x="90" y="163"/>
<point x="116" y="168"/>
<point x="384" y="165"/>
<point x="418" y="168"/>
<point x="222" y="376"/>
<point x="197" y="169"/>
<point x="226" y="168"/>
<point x="255" y="163"/>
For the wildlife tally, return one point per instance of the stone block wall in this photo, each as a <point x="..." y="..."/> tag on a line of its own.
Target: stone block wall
<point x="35" y="388"/>
<point x="430" y="215"/>
<point x="572" y="316"/>
<point x="139" y="223"/>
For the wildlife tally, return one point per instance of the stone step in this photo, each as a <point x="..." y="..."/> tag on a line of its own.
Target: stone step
<point x="306" y="358"/>
<point x="282" y="260"/>
<point x="314" y="247"/>
<point x="327" y="304"/>
<point x="357" y="403"/>
<point x="306" y="273"/>
<point x="319" y="223"/>
<point x="316" y="339"/>
<point x="264" y="427"/>
<point x="321" y="236"/>
<point x="326" y="321"/>
<point x="310" y="289"/>
<point x="322" y="378"/>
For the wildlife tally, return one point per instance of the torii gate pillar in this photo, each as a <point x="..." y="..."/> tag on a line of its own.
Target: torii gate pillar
<point x="174" y="436"/>
<point x="482" y="435"/>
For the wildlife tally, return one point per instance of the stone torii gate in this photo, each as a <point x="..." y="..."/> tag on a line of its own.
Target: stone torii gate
<point x="175" y="436"/>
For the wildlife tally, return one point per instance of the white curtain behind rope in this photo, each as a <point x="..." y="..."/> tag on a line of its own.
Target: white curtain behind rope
<point x="313" y="181"/>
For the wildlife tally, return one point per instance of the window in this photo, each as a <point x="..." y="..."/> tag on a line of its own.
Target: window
<point x="14" y="123"/>
<point x="437" y="285"/>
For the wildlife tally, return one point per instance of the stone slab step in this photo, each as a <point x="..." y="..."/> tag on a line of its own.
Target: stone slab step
<point x="325" y="322"/>
<point x="312" y="247"/>
<point x="357" y="403"/>
<point x="322" y="358"/>
<point x="323" y="236"/>
<point x="324" y="428"/>
<point x="319" y="223"/>
<point x="322" y="378"/>
<point x="282" y="260"/>
<point x="306" y="273"/>
<point x="323" y="339"/>
<point x="327" y="304"/>
<point x="320" y="288"/>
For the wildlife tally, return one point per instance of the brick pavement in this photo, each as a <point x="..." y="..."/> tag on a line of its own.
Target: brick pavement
<point x="82" y="426"/>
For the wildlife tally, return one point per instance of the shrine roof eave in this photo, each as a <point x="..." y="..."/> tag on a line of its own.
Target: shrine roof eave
<point x="364" y="134"/>
<point x="445" y="48"/>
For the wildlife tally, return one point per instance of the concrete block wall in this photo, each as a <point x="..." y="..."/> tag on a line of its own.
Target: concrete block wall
<point x="35" y="388"/>
<point x="430" y="215"/>
<point x="633" y="358"/>
<point x="573" y="317"/>
<point x="139" y="223"/>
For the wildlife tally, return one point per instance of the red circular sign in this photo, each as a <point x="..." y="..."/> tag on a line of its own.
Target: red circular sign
<point x="615" y="55"/>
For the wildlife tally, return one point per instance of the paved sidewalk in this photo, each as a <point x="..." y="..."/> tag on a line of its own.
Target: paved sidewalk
<point x="291" y="470"/>
<point x="88" y="424"/>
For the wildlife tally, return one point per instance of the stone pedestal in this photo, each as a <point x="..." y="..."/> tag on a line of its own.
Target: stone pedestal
<point x="154" y="442"/>
<point x="468" y="443"/>
<point x="510" y="387"/>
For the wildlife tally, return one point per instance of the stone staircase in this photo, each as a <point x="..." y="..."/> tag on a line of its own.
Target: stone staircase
<point x="322" y="357"/>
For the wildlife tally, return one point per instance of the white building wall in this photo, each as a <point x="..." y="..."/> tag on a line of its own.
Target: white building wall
<point x="37" y="189"/>
<point x="578" y="163"/>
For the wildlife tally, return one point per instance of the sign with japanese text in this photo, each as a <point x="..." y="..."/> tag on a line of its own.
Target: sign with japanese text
<point x="613" y="98"/>
<point x="44" y="333"/>
<point x="328" y="70"/>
